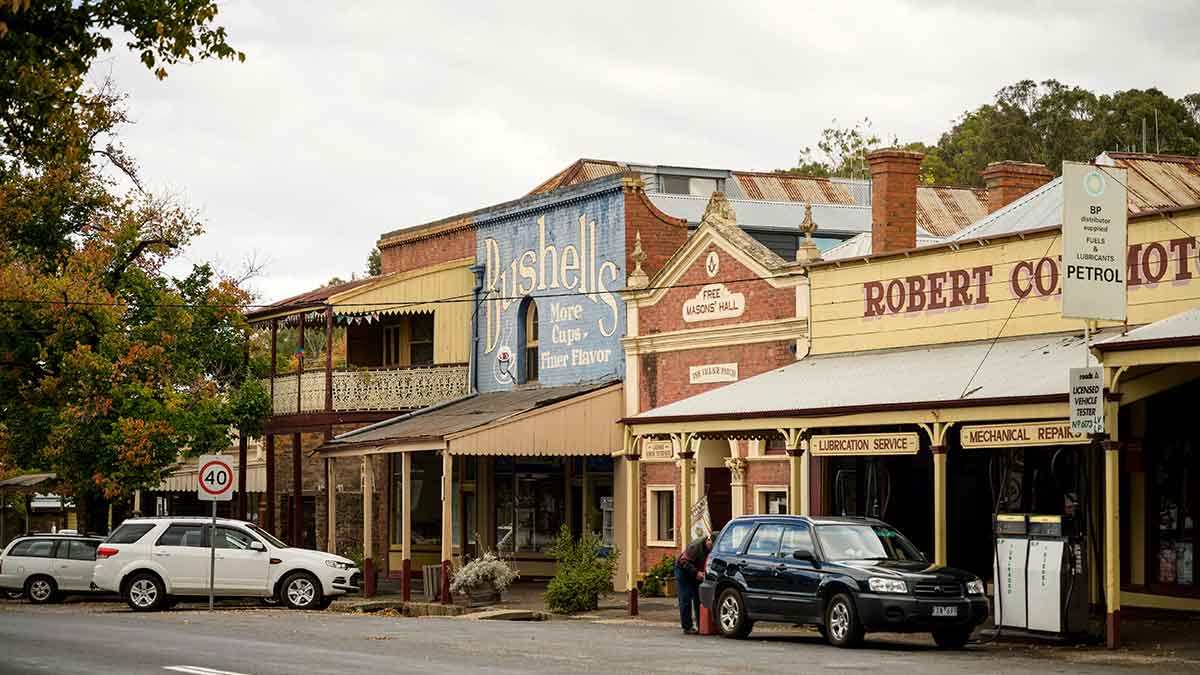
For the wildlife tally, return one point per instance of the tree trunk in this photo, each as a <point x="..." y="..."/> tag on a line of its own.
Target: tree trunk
<point x="92" y="511"/>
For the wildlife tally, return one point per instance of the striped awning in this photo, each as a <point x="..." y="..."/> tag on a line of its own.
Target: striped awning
<point x="183" y="478"/>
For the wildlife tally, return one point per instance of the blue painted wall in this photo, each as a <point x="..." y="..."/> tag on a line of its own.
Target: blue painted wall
<point x="565" y="252"/>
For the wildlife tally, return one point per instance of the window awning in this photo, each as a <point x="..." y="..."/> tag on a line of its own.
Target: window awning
<point x="183" y="478"/>
<point x="586" y="424"/>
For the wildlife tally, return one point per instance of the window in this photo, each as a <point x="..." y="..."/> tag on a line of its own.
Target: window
<point x="34" y="548"/>
<point x="660" y="502"/>
<point x="796" y="538"/>
<point x="530" y="504"/>
<point x="78" y="550"/>
<point x="772" y="500"/>
<point x="686" y="185"/>
<point x="766" y="540"/>
<point x="420" y="345"/>
<point x="183" y="535"/>
<point x="393" y="337"/>
<point x="733" y="537"/>
<point x="129" y="533"/>
<point x="531" y="341"/>
<point x="234" y="539"/>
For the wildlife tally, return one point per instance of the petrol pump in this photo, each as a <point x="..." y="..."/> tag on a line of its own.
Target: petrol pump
<point x="1057" y="577"/>
<point x="1009" y="570"/>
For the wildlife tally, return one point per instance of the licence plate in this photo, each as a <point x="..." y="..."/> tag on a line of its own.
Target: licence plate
<point x="945" y="611"/>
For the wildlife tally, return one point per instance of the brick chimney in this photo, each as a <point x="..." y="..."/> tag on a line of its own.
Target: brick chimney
<point x="1009" y="181"/>
<point x="894" y="199"/>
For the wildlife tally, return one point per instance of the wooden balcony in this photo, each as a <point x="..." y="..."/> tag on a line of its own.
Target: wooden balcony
<point x="373" y="389"/>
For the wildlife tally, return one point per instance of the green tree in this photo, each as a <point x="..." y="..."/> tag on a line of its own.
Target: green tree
<point x="108" y="366"/>
<point x="374" y="263"/>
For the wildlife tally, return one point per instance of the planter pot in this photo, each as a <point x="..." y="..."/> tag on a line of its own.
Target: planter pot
<point x="480" y="597"/>
<point x="669" y="588"/>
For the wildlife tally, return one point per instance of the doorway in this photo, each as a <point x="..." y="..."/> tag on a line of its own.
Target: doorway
<point x="720" y="496"/>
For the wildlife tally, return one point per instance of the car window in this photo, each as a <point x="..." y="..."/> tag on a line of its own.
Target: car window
<point x="129" y="533"/>
<point x="83" y="549"/>
<point x="795" y="538"/>
<point x="34" y="548"/>
<point x="733" y="537"/>
<point x="865" y="542"/>
<point x="235" y="539"/>
<point x="766" y="540"/>
<point x="183" y="535"/>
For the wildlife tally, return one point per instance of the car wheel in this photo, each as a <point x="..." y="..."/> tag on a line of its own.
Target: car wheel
<point x="843" y="629"/>
<point x="301" y="590"/>
<point x="952" y="638"/>
<point x="731" y="614"/>
<point x="41" y="590"/>
<point x="145" y="593"/>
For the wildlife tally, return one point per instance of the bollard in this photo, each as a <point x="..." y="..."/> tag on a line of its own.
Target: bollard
<point x="706" y="623"/>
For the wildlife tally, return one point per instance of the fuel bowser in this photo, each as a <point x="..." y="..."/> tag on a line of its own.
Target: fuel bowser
<point x="1040" y="575"/>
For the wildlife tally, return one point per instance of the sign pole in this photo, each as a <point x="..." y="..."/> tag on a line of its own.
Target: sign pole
<point x="212" y="557"/>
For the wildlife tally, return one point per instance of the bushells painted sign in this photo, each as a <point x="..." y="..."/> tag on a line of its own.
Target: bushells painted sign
<point x="1095" y="219"/>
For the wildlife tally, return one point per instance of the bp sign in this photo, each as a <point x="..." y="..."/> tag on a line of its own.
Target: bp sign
<point x="215" y="479"/>
<point x="1094" y="231"/>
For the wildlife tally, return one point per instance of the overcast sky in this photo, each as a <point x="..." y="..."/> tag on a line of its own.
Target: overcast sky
<point x="350" y="119"/>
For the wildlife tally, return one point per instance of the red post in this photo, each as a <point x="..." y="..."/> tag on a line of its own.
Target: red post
<point x="406" y="579"/>
<point x="633" y="602"/>
<point x="447" y="571"/>
<point x="300" y="366"/>
<point x="368" y="577"/>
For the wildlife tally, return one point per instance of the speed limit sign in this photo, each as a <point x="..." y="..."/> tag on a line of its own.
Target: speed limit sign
<point x="215" y="479"/>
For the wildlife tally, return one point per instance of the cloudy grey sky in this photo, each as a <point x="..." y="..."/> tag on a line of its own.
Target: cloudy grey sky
<point x="349" y="119"/>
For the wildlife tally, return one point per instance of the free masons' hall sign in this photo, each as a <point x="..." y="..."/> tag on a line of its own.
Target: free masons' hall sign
<point x="569" y="260"/>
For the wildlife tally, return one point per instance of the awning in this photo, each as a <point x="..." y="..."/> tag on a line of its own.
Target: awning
<point x="1180" y="330"/>
<point x="414" y="292"/>
<point x="183" y="478"/>
<point x="586" y="424"/>
<point x="1011" y="370"/>
<point x="29" y="483"/>
<point x="430" y="428"/>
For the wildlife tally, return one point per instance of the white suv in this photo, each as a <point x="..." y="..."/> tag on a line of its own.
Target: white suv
<point x="152" y="562"/>
<point x="47" y="566"/>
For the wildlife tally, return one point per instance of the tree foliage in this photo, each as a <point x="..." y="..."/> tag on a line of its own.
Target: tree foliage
<point x="1046" y="123"/>
<point x="108" y="366"/>
<point x="374" y="263"/>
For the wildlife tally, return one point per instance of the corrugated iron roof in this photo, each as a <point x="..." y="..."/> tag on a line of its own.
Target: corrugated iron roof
<point x="308" y="299"/>
<point x="1013" y="367"/>
<point x="1038" y="209"/>
<point x="436" y="422"/>
<point x="1180" y="326"/>
<point x="1158" y="181"/>
<point x="839" y="218"/>
<point x="579" y="171"/>
<point x="860" y="245"/>
<point x="787" y="187"/>
<point x="942" y="211"/>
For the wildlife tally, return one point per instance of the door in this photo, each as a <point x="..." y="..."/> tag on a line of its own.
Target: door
<point x="73" y="567"/>
<point x="799" y="579"/>
<point x="240" y="569"/>
<point x="183" y="552"/>
<point x="720" y="496"/>
<point x="758" y="570"/>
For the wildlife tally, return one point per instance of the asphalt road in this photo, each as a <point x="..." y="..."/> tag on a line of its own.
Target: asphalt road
<point x="106" y="638"/>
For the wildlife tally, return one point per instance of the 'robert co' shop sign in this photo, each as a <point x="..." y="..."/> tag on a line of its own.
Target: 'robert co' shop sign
<point x="568" y="259"/>
<point x="1094" y="232"/>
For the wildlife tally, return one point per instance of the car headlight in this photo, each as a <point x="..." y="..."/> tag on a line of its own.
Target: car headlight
<point x="975" y="587"/>
<point x="338" y="565"/>
<point x="879" y="585"/>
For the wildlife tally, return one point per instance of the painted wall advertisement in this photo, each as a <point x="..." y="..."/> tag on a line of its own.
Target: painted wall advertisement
<point x="568" y="260"/>
<point x="1094" y="232"/>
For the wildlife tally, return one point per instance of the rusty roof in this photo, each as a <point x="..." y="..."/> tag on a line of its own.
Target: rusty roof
<point x="1159" y="181"/>
<point x="787" y="187"/>
<point x="942" y="210"/>
<point x="308" y="299"/>
<point x="579" y="171"/>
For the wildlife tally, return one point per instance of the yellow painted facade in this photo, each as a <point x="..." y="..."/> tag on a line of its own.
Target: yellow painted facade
<point x="974" y="287"/>
<point x="452" y="282"/>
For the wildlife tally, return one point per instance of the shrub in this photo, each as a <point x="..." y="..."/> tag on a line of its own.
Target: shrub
<point x="584" y="573"/>
<point x="482" y="570"/>
<point x="654" y="583"/>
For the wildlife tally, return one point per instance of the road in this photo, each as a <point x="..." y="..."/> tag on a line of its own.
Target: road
<point x="106" y="638"/>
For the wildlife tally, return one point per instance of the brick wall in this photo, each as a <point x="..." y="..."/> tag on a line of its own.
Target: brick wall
<point x="761" y="472"/>
<point x="656" y="473"/>
<point x="440" y="248"/>
<point x="662" y="235"/>
<point x="894" y="199"/>
<point x="664" y="377"/>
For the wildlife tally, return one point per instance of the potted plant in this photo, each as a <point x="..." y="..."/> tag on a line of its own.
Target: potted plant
<point x="659" y="581"/>
<point x="482" y="581"/>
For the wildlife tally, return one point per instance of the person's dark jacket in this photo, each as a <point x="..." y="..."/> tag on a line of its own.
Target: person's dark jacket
<point x="693" y="557"/>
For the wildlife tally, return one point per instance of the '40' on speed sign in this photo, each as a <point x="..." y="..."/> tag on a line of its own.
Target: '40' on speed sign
<point x="214" y="480"/>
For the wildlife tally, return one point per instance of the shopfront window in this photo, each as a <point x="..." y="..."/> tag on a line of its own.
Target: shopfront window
<point x="1177" y="489"/>
<point x="530" y="504"/>
<point x="426" y="499"/>
<point x="772" y="501"/>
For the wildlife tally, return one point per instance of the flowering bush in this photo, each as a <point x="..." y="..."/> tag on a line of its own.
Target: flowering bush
<point x="488" y="568"/>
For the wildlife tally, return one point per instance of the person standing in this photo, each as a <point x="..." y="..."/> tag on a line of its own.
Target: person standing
<point x="689" y="572"/>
